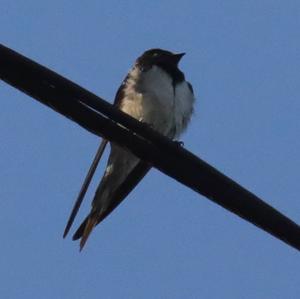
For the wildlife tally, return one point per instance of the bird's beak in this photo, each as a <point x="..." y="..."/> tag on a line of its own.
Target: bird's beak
<point x="177" y="57"/>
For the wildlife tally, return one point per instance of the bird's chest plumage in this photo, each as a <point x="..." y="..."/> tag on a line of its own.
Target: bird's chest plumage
<point x="152" y="97"/>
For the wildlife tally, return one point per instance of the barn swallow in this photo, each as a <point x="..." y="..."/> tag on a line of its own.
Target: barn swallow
<point x="154" y="92"/>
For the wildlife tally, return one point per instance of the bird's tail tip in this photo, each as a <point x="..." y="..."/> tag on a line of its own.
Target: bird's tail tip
<point x="85" y="230"/>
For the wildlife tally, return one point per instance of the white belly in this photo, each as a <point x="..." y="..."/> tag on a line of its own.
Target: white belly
<point x="155" y="101"/>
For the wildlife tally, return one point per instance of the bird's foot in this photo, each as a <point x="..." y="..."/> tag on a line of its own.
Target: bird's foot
<point x="179" y="143"/>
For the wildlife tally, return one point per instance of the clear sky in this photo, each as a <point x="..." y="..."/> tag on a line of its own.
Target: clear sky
<point x="164" y="241"/>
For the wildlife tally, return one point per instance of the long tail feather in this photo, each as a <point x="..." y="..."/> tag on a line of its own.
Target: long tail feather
<point x="85" y="186"/>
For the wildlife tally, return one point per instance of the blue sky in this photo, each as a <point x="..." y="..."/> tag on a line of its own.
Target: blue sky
<point x="164" y="241"/>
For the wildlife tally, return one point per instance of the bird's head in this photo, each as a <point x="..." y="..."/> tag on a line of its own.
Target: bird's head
<point x="160" y="57"/>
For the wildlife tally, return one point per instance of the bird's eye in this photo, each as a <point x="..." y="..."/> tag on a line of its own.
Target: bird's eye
<point x="155" y="54"/>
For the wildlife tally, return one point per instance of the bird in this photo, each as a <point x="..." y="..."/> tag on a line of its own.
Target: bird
<point x="156" y="93"/>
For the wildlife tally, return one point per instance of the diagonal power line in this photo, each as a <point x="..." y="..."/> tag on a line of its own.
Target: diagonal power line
<point x="103" y="119"/>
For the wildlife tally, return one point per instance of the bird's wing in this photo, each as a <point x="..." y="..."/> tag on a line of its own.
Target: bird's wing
<point x="133" y="178"/>
<point x="120" y="92"/>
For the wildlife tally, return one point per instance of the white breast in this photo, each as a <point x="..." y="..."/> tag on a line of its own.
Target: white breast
<point x="150" y="97"/>
<point x="183" y="109"/>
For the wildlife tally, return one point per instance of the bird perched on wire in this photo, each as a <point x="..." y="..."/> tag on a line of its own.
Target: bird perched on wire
<point x="154" y="92"/>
